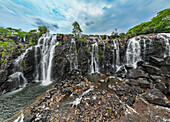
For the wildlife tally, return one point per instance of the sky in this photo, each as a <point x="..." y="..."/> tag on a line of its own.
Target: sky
<point x="94" y="16"/>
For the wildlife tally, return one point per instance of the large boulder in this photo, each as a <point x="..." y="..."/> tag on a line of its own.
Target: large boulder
<point x="136" y="73"/>
<point x="166" y="66"/>
<point x="162" y="87"/>
<point x="151" y="69"/>
<point x="156" y="61"/>
<point x="3" y="77"/>
<point x="143" y="83"/>
<point x="167" y="61"/>
<point x="155" y="96"/>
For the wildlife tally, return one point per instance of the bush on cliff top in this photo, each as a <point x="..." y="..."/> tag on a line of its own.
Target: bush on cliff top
<point x="158" y="24"/>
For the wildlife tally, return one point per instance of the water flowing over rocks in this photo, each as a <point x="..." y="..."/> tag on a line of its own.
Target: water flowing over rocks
<point x="97" y="79"/>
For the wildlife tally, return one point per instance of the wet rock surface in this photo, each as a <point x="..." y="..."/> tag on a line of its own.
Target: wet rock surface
<point x="141" y="96"/>
<point x="91" y="84"/>
<point x="104" y="98"/>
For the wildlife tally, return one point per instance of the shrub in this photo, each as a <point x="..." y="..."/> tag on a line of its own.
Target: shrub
<point x="43" y="29"/>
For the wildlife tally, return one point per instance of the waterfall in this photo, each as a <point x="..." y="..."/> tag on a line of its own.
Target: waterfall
<point x="94" y="68"/>
<point x="107" y="37"/>
<point x="24" y="39"/>
<point x="166" y="39"/>
<point x="73" y="55"/>
<point x="133" y="52"/>
<point x="47" y="43"/>
<point x="117" y="52"/>
<point x="147" y="44"/>
<point x="18" y="77"/>
<point x="36" y="62"/>
<point x="100" y="38"/>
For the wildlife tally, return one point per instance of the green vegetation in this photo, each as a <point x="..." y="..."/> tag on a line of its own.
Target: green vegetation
<point x="7" y="47"/>
<point x="101" y="53"/>
<point x="12" y="32"/>
<point x="9" y="38"/>
<point x="76" y="29"/>
<point x="32" y="41"/>
<point x="33" y="31"/>
<point x="43" y="29"/>
<point x="115" y="34"/>
<point x="82" y="41"/>
<point x="158" y="24"/>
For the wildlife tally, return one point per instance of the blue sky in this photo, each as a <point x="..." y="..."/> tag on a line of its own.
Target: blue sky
<point x="94" y="16"/>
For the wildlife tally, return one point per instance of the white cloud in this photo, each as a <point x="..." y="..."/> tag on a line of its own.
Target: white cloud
<point x="104" y="16"/>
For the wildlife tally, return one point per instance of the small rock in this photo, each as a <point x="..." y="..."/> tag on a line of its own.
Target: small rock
<point x="29" y="118"/>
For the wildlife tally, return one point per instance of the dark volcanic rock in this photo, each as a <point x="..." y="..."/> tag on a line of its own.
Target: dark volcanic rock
<point x="155" y="96"/>
<point x="136" y="73"/>
<point x="143" y="83"/>
<point x="3" y="76"/>
<point x="151" y="69"/>
<point x="140" y="82"/>
<point x="29" y="118"/>
<point x="162" y="87"/>
<point x="167" y="61"/>
<point x="62" y="66"/>
<point x="168" y="88"/>
<point x="156" y="61"/>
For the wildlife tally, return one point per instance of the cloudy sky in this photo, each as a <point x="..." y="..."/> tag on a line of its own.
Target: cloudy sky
<point x="94" y="16"/>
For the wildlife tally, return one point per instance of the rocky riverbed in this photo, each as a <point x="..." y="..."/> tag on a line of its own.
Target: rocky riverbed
<point x="140" y="94"/>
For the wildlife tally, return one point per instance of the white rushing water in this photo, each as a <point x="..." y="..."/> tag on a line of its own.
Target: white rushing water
<point x="20" y="118"/>
<point x="18" y="77"/>
<point x="133" y="52"/>
<point x="94" y="68"/>
<point x="166" y="39"/>
<point x="78" y="100"/>
<point x="47" y="43"/>
<point x="24" y="39"/>
<point x="147" y="45"/>
<point x="116" y="54"/>
<point x="73" y="55"/>
<point x="36" y="62"/>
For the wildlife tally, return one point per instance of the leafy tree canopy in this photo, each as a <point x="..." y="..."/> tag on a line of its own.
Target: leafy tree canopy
<point x="158" y="24"/>
<point x="43" y="29"/>
<point x="76" y="29"/>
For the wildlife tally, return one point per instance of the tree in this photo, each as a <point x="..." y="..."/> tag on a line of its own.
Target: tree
<point x="43" y="29"/>
<point x="115" y="34"/>
<point x="122" y="35"/>
<point x="76" y="29"/>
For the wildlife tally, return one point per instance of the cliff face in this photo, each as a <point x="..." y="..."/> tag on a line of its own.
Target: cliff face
<point x="96" y="77"/>
<point x="72" y="56"/>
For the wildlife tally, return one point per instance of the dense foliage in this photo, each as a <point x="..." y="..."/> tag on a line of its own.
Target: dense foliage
<point x="7" y="46"/>
<point x="12" y="41"/>
<point x="158" y="24"/>
<point x="43" y="29"/>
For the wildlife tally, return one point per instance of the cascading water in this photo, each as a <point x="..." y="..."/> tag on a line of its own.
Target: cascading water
<point x="94" y="68"/>
<point x="100" y="38"/>
<point x="166" y="39"/>
<point x="133" y="52"/>
<point x="24" y="39"/>
<point x="17" y="77"/>
<point x="73" y="55"/>
<point x="36" y="62"/>
<point x="116" y="54"/>
<point x="47" y="44"/>
<point x="147" y="45"/>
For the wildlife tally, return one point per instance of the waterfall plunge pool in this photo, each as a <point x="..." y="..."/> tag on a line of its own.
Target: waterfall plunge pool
<point x="13" y="102"/>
